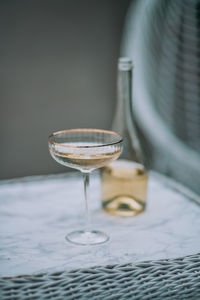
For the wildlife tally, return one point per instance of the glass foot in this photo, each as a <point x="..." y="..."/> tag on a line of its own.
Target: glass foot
<point x="83" y="237"/>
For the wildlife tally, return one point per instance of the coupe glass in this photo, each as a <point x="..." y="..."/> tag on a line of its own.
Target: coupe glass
<point x="85" y="150"/>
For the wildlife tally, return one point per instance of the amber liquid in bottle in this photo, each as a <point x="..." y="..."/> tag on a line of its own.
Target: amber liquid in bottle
<point x="124" y="182"/>
<point x="124" y="186"/>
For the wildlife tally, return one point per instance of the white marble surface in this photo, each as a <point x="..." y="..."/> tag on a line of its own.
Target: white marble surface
<point x="37" y="212"/>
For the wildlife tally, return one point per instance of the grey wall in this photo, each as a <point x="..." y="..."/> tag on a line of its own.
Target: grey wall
<point x="57" y="71"/>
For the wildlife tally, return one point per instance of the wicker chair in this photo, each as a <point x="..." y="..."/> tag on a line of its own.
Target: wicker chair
<point x="162" y="38"/>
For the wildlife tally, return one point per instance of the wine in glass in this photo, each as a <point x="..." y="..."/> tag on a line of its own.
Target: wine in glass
<point x="85" y="150"/>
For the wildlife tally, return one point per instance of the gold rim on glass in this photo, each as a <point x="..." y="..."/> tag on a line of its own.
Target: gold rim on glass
<point x="85" y="130"/>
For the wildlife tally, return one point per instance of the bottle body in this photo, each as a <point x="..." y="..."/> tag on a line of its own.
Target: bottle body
<point x="124" y="182"/>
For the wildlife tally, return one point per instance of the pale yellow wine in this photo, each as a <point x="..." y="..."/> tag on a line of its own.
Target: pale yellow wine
<point x="85" y="159"/>
<point x="124" y="188"/>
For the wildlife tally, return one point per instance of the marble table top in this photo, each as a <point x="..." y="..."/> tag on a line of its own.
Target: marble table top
<point x="37" y="212"/>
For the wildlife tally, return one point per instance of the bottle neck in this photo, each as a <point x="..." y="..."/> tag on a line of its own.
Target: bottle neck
<point x="124" y="95"/>
<point x="123" y="122"/>
<point x="125" y="69"/>
<point x="125" y="92"/>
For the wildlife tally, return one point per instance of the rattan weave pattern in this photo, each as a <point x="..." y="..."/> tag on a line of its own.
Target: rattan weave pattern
<point x="162" y="38"/>
<point x="160" y="279"/>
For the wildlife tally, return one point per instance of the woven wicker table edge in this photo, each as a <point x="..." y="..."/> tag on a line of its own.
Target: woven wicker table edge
<point x="177" y="278"/>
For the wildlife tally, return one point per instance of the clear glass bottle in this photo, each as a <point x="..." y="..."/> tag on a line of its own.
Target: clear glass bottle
<point x="124" y="182"/>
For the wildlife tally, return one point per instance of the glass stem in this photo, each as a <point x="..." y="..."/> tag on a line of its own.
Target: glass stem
<point x="86" y="185"/>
